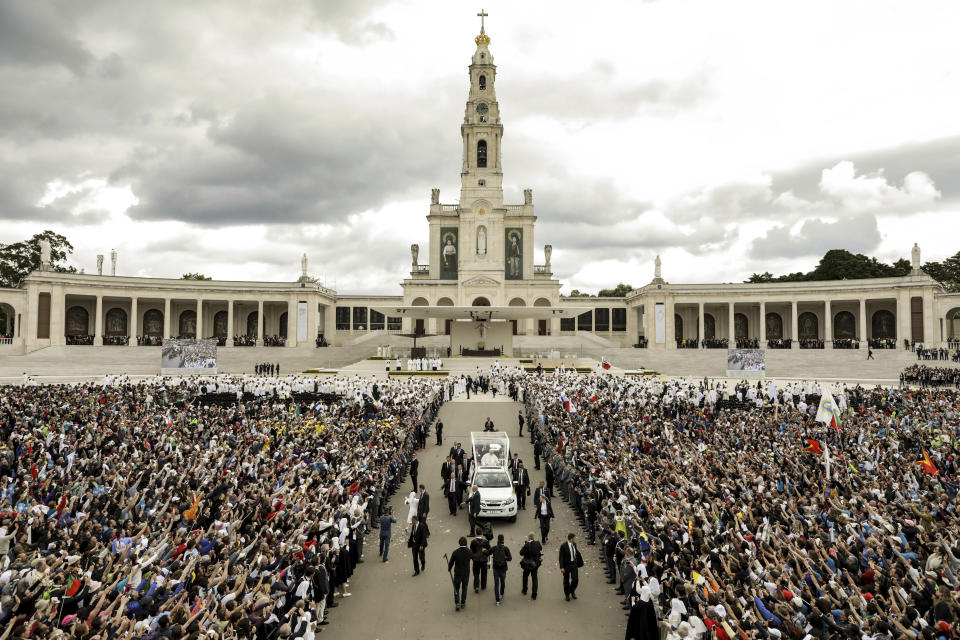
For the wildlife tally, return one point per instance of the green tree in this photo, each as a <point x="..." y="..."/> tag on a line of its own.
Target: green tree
<point x="576" y="293"/>
<point x="619" y="291"/>
<point x="19" y="259"/>
<point x="195" y="276"/>
<point x="946" y="273"/>
<point x="766" y="276"/>
<point x="840" y="264"/>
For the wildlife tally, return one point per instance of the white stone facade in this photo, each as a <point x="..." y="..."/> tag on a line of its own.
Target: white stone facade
<point x="50" y="308"/>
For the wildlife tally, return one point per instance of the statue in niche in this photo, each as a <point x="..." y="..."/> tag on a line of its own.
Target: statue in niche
<point x="482" y="241"/>
<point x="434" y="196"/>
<point x="415" y="251"/>
<point x="528" y="196"/>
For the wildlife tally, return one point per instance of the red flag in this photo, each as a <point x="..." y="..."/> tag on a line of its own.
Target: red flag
<point x="927" y="463"/>
<point x="593" y="397"/>
<point x="604" y="363"/>
<point x="33" y="471"/>
<point x="146" y="442"/>
<point x="73" y="588"/>
<point x="813" y="446"/>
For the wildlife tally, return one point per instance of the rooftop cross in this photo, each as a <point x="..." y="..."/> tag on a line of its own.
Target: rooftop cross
<point x="483" y="14"/>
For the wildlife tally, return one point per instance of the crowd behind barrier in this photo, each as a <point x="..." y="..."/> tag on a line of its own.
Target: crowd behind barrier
<point x="154" y="510"/>
<point x="927" y="376"/>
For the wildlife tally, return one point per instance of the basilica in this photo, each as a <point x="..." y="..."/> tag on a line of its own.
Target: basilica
<point x="481" y="280"/>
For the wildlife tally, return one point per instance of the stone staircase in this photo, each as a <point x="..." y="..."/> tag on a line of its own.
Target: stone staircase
<point x="820" y="364"/>
<point x="68" y="362"/>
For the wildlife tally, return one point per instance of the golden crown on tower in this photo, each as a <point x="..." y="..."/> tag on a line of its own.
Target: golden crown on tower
<point x="483" y="38"/>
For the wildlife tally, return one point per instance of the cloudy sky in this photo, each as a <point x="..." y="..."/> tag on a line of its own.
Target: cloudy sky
<point x="228" y="137"/>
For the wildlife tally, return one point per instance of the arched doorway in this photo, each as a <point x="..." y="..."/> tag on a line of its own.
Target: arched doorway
<point x="116" y="322"/>
<point x="543" y="325"/>
<point x="283" y="325"/>
<point x="883" y="326"/>
<point x="677" y="326"/>
<point x="774" y="325"/>
<point x="220" y="325"/>
<point x="446" y="302"/>
<point x="741" y="326"/>
<point x="419" y="325"/>
<point x="188" y="324"/>
<point x="7" y="320"/>
<point x="952" y="328"/>
<point x="153" y="323"/>
<point x="252" y="324"/>
<point x="516" y="302"/>
<point x="480" y="302"/>
<point x="844" y="326"/>
<point x="808" y="327"/>
<point x="77" y="322"/>
<point x="709" y="327"/>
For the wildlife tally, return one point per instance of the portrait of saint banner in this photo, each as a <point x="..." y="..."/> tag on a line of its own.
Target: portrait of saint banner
<point x="449" y="247"/>
<point x="514" y="254"/>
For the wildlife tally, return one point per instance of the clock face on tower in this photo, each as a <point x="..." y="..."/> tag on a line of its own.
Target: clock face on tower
<point x="482" y="109"/>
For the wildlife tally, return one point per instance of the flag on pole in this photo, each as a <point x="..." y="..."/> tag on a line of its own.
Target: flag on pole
<point x="827" y="412"/>
<point x="593" y="396"/>
<point x="568" y="406"/>
<point x="813" y="446"/>
<point x="604" y="363"/>
<point x="927" y="463"/>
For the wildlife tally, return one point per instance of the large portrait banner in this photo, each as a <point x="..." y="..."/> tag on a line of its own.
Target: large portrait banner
<point x="449" y="247"/>
<point x="513" y="241"/>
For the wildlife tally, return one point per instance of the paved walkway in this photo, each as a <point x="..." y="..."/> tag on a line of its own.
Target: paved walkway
<point x="387" y="602"/>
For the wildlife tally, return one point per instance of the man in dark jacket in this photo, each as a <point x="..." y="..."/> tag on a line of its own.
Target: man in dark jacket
<point x="474" y="511"/>
<point x="500" y="556"/>
<point x="480" y="548"/>
<point x="418" y="543"/>
<point x="423" y="506"/>
<point x="414" y="468"/>
<point x="460" y="563"/>
<point x="570" y="561"/>
<point x="531" y="554"/>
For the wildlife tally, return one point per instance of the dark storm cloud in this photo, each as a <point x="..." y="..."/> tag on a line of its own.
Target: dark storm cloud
<point x="858" y="234"/>
<point x="304" y="158"/>
<point x="36" y="32"/>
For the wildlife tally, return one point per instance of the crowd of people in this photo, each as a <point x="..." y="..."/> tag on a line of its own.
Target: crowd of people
<point x="734" y="513"/>
<point x="846" y="343"/>
<point x="780" y="343"/>
<point x="927" y="376"/>
<point x="154" y="510"/>
<point x="267" y="369"/>
<point x="936" y="353"/>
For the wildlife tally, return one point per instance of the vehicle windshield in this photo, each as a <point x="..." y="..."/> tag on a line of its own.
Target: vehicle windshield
<point x="498" y="480"/>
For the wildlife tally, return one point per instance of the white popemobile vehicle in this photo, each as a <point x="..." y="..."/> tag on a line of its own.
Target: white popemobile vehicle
<point x="491" y="456"/>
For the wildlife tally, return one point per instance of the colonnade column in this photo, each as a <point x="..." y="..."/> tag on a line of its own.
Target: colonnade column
<point x="199" y="318"/>
<point x="731" y="330"/>
<point x="230" y="329"/>
<point x="98" y="323"/>
<point x="794" y="330"/>
<point x="863" y="320"/>
<point x="827" y="324"/>
<point x="763" y="325"/>
<point x="929" y="336"/>
<point x="903" y="317"/>
<point x="166" y="318"/>
<point x="670" y="325"/>
<point x="700" y="333"/>
<point x="261" y="323"/>
<point x="58" y="316"/>
<point x="293" y="321"/>
<point x="330" y="323"/>
<point x="132" y="340"/>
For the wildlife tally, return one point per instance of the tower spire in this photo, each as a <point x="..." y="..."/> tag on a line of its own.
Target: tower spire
<point x="483" y="38"/>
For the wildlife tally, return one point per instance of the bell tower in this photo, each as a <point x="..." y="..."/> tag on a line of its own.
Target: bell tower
<point x="482" y="132"/>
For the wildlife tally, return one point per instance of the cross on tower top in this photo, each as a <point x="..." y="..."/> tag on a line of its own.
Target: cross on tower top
<point x="483" y="14"/>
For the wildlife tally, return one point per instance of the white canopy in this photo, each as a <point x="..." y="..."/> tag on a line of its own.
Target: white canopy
<point x="482" y="313"/>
